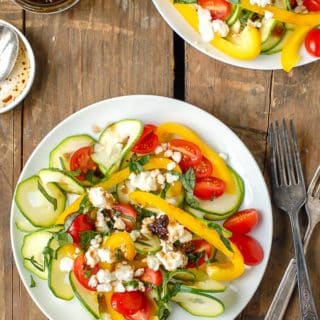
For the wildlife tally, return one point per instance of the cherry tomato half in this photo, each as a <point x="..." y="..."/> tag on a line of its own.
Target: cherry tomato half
<point x="208" y="188"/>
<point x="129" y="215"/>
<point x="84" y="272"/>
<point x="249" y="248"/>
<point x="243" y="221"/>
<point x="148" y="140"/>
<point x="79" y="224"/>
<point x="128" y="303"/>
<point x="312" y="42"/>
<point x="203" y="169"/>
<point x="151" y="276"/>
<point x="191" y="154"/>
<point x="219" y="9"/>
<point x="312" y="5"/>
<point x="142" y="314"/>
<point x="203" y="247"/>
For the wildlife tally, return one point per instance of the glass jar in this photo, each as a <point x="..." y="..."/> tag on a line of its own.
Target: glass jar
<point x="40" y="6"/>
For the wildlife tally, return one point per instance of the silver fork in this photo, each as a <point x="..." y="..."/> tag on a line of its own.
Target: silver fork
<point x="282" y="297"/>
<point x="289" y="195"/>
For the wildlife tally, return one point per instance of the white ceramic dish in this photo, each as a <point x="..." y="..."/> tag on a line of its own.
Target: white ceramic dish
<point x="155" y="110"/>
<point x="32" y="69"/>
<point x="185" y="31"/>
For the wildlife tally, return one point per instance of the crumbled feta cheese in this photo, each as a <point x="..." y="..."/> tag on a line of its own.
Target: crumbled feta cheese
<point x="118" y="286"/>
<point x="171" y="165"/>
<point x="220" y="27"/>
<point x="260" y="3"/>
<point x="177" y="232"/>
<point x="172" y="260"/>
<point x="135" y="234"/>
<point x="92" y="257"/>
<point x="101" y="198"/>
<point x="177" y="156"/>
<point x="123" y="272"/>
<point x="205" y="27"/>
<point x="141" y="287"/>
<point x="94" y="243"/>
<point x="300" y="8"/>
<point x="139" y="272"/>
<point x="153" y="263"/>
<point x="171" y="178"/>
<point x="77" y="251"/>
<point x="268" y="15"/>
<point x="161" y="179"/>
<point x="168" y="153"/>
<point x="66" y="264"/>
<point x="224" y="156"/>
<point x="144" y="227"/>
<point x="119" y="224"/>
<point x="93" y="282"/>
<point x="145" y="181"/>
<point x="101" y="223"/>
<point x="106" y="255"/>
<point x="104" y="276"/>
<point x="256" y="24"/>
<point x="105" y="287"/>
<point x="166" y="246"/>
<point x="236" y="27"/>
<point x="158" y="150"/>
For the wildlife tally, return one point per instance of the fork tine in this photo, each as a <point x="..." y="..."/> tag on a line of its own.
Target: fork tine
<point x="288" y="155"/>
<point x="313" y="183"/>
<point x="282" y="174"/>
<point x="297" y="160"/>
<point x="274" y="169"/>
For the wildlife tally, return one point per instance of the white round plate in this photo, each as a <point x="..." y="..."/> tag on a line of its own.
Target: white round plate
<point x="185" y="31"/>
<point x="153" y="109"/>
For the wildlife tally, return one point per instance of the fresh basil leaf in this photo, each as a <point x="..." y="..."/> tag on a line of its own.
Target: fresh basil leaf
<point x="188" y="180"/>
<point x="33" y="283"/>
<point x="136" y="164"/>
<point x="63" y="238"/>
<point x="191" y="200"/>
<point x="86" y="237"/>
<point x="52" y="200"/>
<point x="219" y="230"/>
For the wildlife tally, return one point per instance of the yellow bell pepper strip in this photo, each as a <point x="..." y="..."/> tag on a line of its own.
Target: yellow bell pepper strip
<point x="290" y="52"/>
<point x="187" y="220"/>
<point x="227" y="271"/>
<point x="246" y="47"/>
<point x="122" y="241"/>
<point x="220" y="168"/>
<point x="113" y="313"/>
<point x="116" y="178"/>
<point x="308" y="19"/>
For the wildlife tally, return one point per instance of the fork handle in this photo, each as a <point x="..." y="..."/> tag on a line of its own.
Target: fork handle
<point x="307" y="305"/>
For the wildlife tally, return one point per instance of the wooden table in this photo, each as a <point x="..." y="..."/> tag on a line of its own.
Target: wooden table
<point x="107" y="48"/>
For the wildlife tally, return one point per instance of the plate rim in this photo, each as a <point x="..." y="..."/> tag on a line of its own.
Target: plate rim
<point x="19" y="264"/>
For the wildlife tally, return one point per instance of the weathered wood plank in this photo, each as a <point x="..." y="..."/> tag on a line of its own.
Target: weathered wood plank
<point x="241" y="99"/>
<point x="10" y="130"/>
<point x="97" y="50"/>
<point x="296" y="96"/>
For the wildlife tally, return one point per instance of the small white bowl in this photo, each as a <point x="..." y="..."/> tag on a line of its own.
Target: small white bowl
<point x="32" y="70"/>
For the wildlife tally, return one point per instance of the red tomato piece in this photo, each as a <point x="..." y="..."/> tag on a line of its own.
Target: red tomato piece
<point x="203" y="169"/>
<point x="143" y="314"/>
<point x="153" y="277"/>
<point x="79" y="224"/>
<point x="312" y="5"/>
<point x="84" y="272"/>
<point x="148" y="140"/>
<point x="191" y="154"/>
<point x="243" y="221"/>
<point x="208" y="188"/>
<point x="81" y="160"/>
<point x="249" y="247"/>
<point x="203" y="247"/>
<point x="312" y="42"/>
<point x="128" y="303"/>
<point x="219" y="9"/>
<point x="127" y="211"/>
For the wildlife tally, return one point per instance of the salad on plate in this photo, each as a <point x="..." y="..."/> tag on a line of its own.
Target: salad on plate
<point x="142" y="218"/>
<point x="245" y="29"/>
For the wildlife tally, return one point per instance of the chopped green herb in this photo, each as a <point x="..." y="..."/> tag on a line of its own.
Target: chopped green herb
<point x="33" y="283"/>
<point x="87" y="274"/>
<point x="133" y="283"/>
<point x="188" y="181"/>
<point x="52" y="200"/>
<point x="63" y="238"/>
<point x="219" y="230"/>
<point x="86" y="237"/>
<point x="136" y="164"/>
<point x="164" y="191"/>
<point x="194" y="257"/>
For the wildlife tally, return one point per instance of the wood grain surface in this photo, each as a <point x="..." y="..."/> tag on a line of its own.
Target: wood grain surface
<point x="101" y="49"/>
